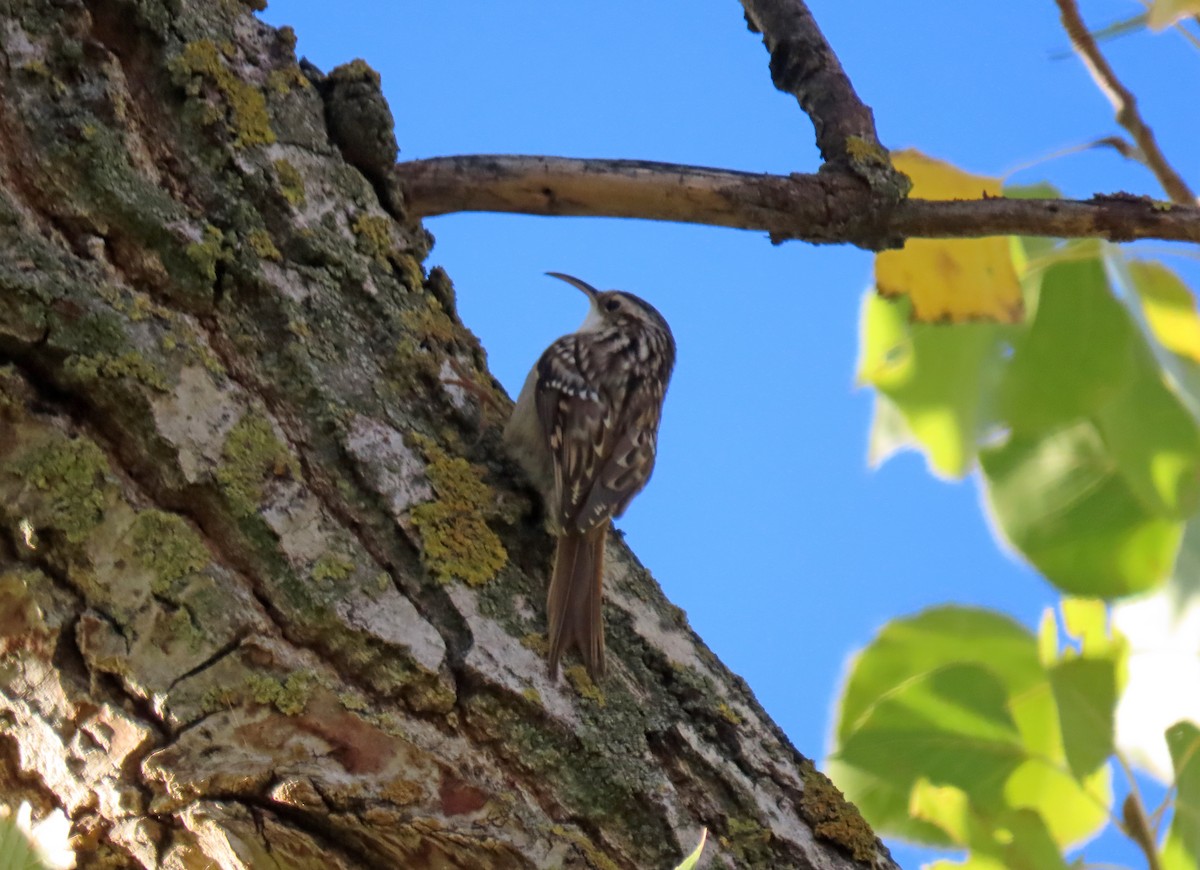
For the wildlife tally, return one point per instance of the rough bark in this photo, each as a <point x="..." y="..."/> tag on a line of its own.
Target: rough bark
<point x="270" y="593"/>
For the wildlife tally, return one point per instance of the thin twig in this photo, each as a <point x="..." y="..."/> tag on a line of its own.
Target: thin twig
<point x="826" y="207"/>
<point x="804" y="65"/>
<point x="1124" y="102"/>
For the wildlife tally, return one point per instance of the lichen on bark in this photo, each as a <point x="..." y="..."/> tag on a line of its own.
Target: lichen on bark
<point x="268" y="580"/>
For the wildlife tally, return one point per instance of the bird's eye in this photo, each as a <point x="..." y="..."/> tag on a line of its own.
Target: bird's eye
<point x="612" y="305"/>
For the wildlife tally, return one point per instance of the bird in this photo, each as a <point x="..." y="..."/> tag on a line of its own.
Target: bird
<point x="585" y="430"/>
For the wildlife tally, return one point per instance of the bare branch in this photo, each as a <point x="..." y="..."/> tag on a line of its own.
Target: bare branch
<point x="803" y="64"/>
<point x="1124" y="102"/>
<point x="826" y="207"/>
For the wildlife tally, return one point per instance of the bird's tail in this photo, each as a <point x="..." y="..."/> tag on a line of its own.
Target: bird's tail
<point x="573" y="605"/>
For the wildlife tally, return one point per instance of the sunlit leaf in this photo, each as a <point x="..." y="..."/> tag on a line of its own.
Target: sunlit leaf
<point x="1047" y="637"/>
<point x="949" y="726"/>
<point x="957" y="280"/>
<point x="1072" y="810"/>
<point x="1060" y="501"/>
<point x="947" y="670"/>
<point x="1181" y="851"/>
<point x="1007" y="839"/>
<point x="1085" y="690"/>
<point x="1169" y="307"/>
<point x="939" y="380"/>
<point x="1086" y="620"/>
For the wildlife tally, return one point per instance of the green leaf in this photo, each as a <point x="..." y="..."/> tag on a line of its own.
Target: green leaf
<point x="1086" y="692"/>
<point x="891" y="693"/>
<point x="1076" y="355"/>
<point x="1006" y="840"/>
<point x="1061" y="501"/>
<point x="930" y="640"/>
<point x="938" y="377"/>
<point x="1181" y="851"/>
<point x="1154" y="440"/>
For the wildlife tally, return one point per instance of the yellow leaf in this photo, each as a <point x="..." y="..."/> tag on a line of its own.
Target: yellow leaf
<point x="951" y="280"/>
<point x="1169" y="306"/>
<point x="1164" y="13"/>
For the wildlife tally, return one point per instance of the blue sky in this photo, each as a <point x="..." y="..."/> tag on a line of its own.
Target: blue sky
<point x="762" y="521"/>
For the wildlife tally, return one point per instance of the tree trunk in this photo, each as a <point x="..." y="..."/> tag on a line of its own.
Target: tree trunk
<point x="271" y="594"/>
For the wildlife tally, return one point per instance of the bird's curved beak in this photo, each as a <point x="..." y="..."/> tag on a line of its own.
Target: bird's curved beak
<point x="587" y="288"/>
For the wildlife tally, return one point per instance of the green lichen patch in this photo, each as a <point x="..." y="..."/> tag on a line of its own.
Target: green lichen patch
<point x="332" y="567"/>
<point x="261" y="244"/>
<point x="456" y="541"/>
<point x="208" y="252"/>
<point x="66" y="486"/>
<point x="169" y="547"/>
<point x="251" y="456"/>
<point x="374" y="237"/>
<point x="578" y="677"/>
<point x="355" y="71"/>
<point x="835" y="819"/>
<point x="728" y="714"/>
<point x="131" y="365"/>
<point x="182" y="629"/>
<point x="749" y="842"/>
<point x="245" y="116"/>
<point x="289" y="697"/>
<point x="283" y="81"/>
<point x="291" y="182"/>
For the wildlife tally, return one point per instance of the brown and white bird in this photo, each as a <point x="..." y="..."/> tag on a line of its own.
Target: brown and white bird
<point x="585" y="429"/>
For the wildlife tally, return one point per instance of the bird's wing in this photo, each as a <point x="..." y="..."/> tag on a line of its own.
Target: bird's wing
<point x="580" y="424"/>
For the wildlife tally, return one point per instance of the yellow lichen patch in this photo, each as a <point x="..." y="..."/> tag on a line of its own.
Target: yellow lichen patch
<point x="536" y="642"/>
<point x="951" y="280"/>
<point x="281" y="81"/>
<point x="289" y="697"/>
<point x="66" y="486"/>
<point x="578" y="677"/>
<point x="862" y="151"/>
<point x="167" y="546"/>
<point x="332" y="567"/>
<point x="456" y="542"/>
<point x="260" y="242"/>
<point x="374" y="235"/>
<point x="131" y="365"/>
<point x="1169" y="306"/>
<point x="835" y="819"/>
<point x="728" y="714"/>
<point x="246" y="116"/>
<point x="291" y="182"/>
<point x="207" y="252"/>
<point x="251" y="456"/>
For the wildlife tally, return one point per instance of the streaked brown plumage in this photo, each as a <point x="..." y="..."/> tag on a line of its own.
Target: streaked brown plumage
<point x="585" y="428"/>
